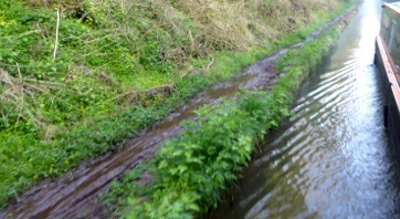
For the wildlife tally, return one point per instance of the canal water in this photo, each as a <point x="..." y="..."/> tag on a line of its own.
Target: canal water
<point x="332" y="159"/>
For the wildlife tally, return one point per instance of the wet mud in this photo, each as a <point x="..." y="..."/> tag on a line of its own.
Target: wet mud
<point x="74" y="195"/>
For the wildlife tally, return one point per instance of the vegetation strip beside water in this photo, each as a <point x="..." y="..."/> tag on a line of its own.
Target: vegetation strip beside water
<point x="188" y="174"/>
<point x="80" y="77"/>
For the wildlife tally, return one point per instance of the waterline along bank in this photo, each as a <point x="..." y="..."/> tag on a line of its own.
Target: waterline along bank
<point x="333" y="158"/>
<point x="65" y="97"/>
<point x="77" y="189"/>
<point x="190" y="173"/>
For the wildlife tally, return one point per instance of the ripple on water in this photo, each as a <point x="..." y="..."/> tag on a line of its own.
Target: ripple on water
<point x="332" y="159"/>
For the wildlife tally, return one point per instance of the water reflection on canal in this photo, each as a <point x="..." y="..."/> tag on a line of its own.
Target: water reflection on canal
<point x="332" y="159"/>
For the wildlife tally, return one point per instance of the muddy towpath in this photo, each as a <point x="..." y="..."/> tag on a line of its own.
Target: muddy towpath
<point x="74" y="195"/>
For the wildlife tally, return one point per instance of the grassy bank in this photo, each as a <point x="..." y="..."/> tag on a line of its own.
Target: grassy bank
<point x="80" y="77"/>
<point x="190" y="173"/>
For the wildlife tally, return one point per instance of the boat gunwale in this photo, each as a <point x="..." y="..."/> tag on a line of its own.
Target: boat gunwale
<point x="386" y="60"/>
<point x="392" y="7"/>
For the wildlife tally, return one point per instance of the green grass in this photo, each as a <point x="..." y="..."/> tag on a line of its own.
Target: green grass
<point x="192" y="171"/>
<point x="65" y="112"/>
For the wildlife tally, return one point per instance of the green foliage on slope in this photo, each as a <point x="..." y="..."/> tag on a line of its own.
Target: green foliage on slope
<point x="64" y="68"/>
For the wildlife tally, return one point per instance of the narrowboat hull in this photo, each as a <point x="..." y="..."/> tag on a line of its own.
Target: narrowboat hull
<point x="390" y="94"/>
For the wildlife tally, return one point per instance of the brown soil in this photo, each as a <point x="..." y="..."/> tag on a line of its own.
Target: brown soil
<point x="74" y="195"/>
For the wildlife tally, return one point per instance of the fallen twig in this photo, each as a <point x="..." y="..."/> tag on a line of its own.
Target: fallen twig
<point x="57" y="30"/>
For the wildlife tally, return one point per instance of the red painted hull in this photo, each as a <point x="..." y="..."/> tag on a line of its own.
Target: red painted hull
<point x="391" y="92"/>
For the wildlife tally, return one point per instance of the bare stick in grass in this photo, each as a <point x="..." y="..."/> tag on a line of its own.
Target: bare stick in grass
<point x="57" y="29"/>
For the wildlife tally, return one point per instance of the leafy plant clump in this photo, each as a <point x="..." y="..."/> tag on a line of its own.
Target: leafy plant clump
<point x="190" y="173"/>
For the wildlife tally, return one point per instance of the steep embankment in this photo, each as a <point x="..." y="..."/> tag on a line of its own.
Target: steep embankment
<point x="77" y="78"/>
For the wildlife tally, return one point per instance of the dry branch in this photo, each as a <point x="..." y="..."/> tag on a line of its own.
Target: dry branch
<point x="57" y="30"/>
<point x="135" y="96"/>
<point x="20" y="94"/>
